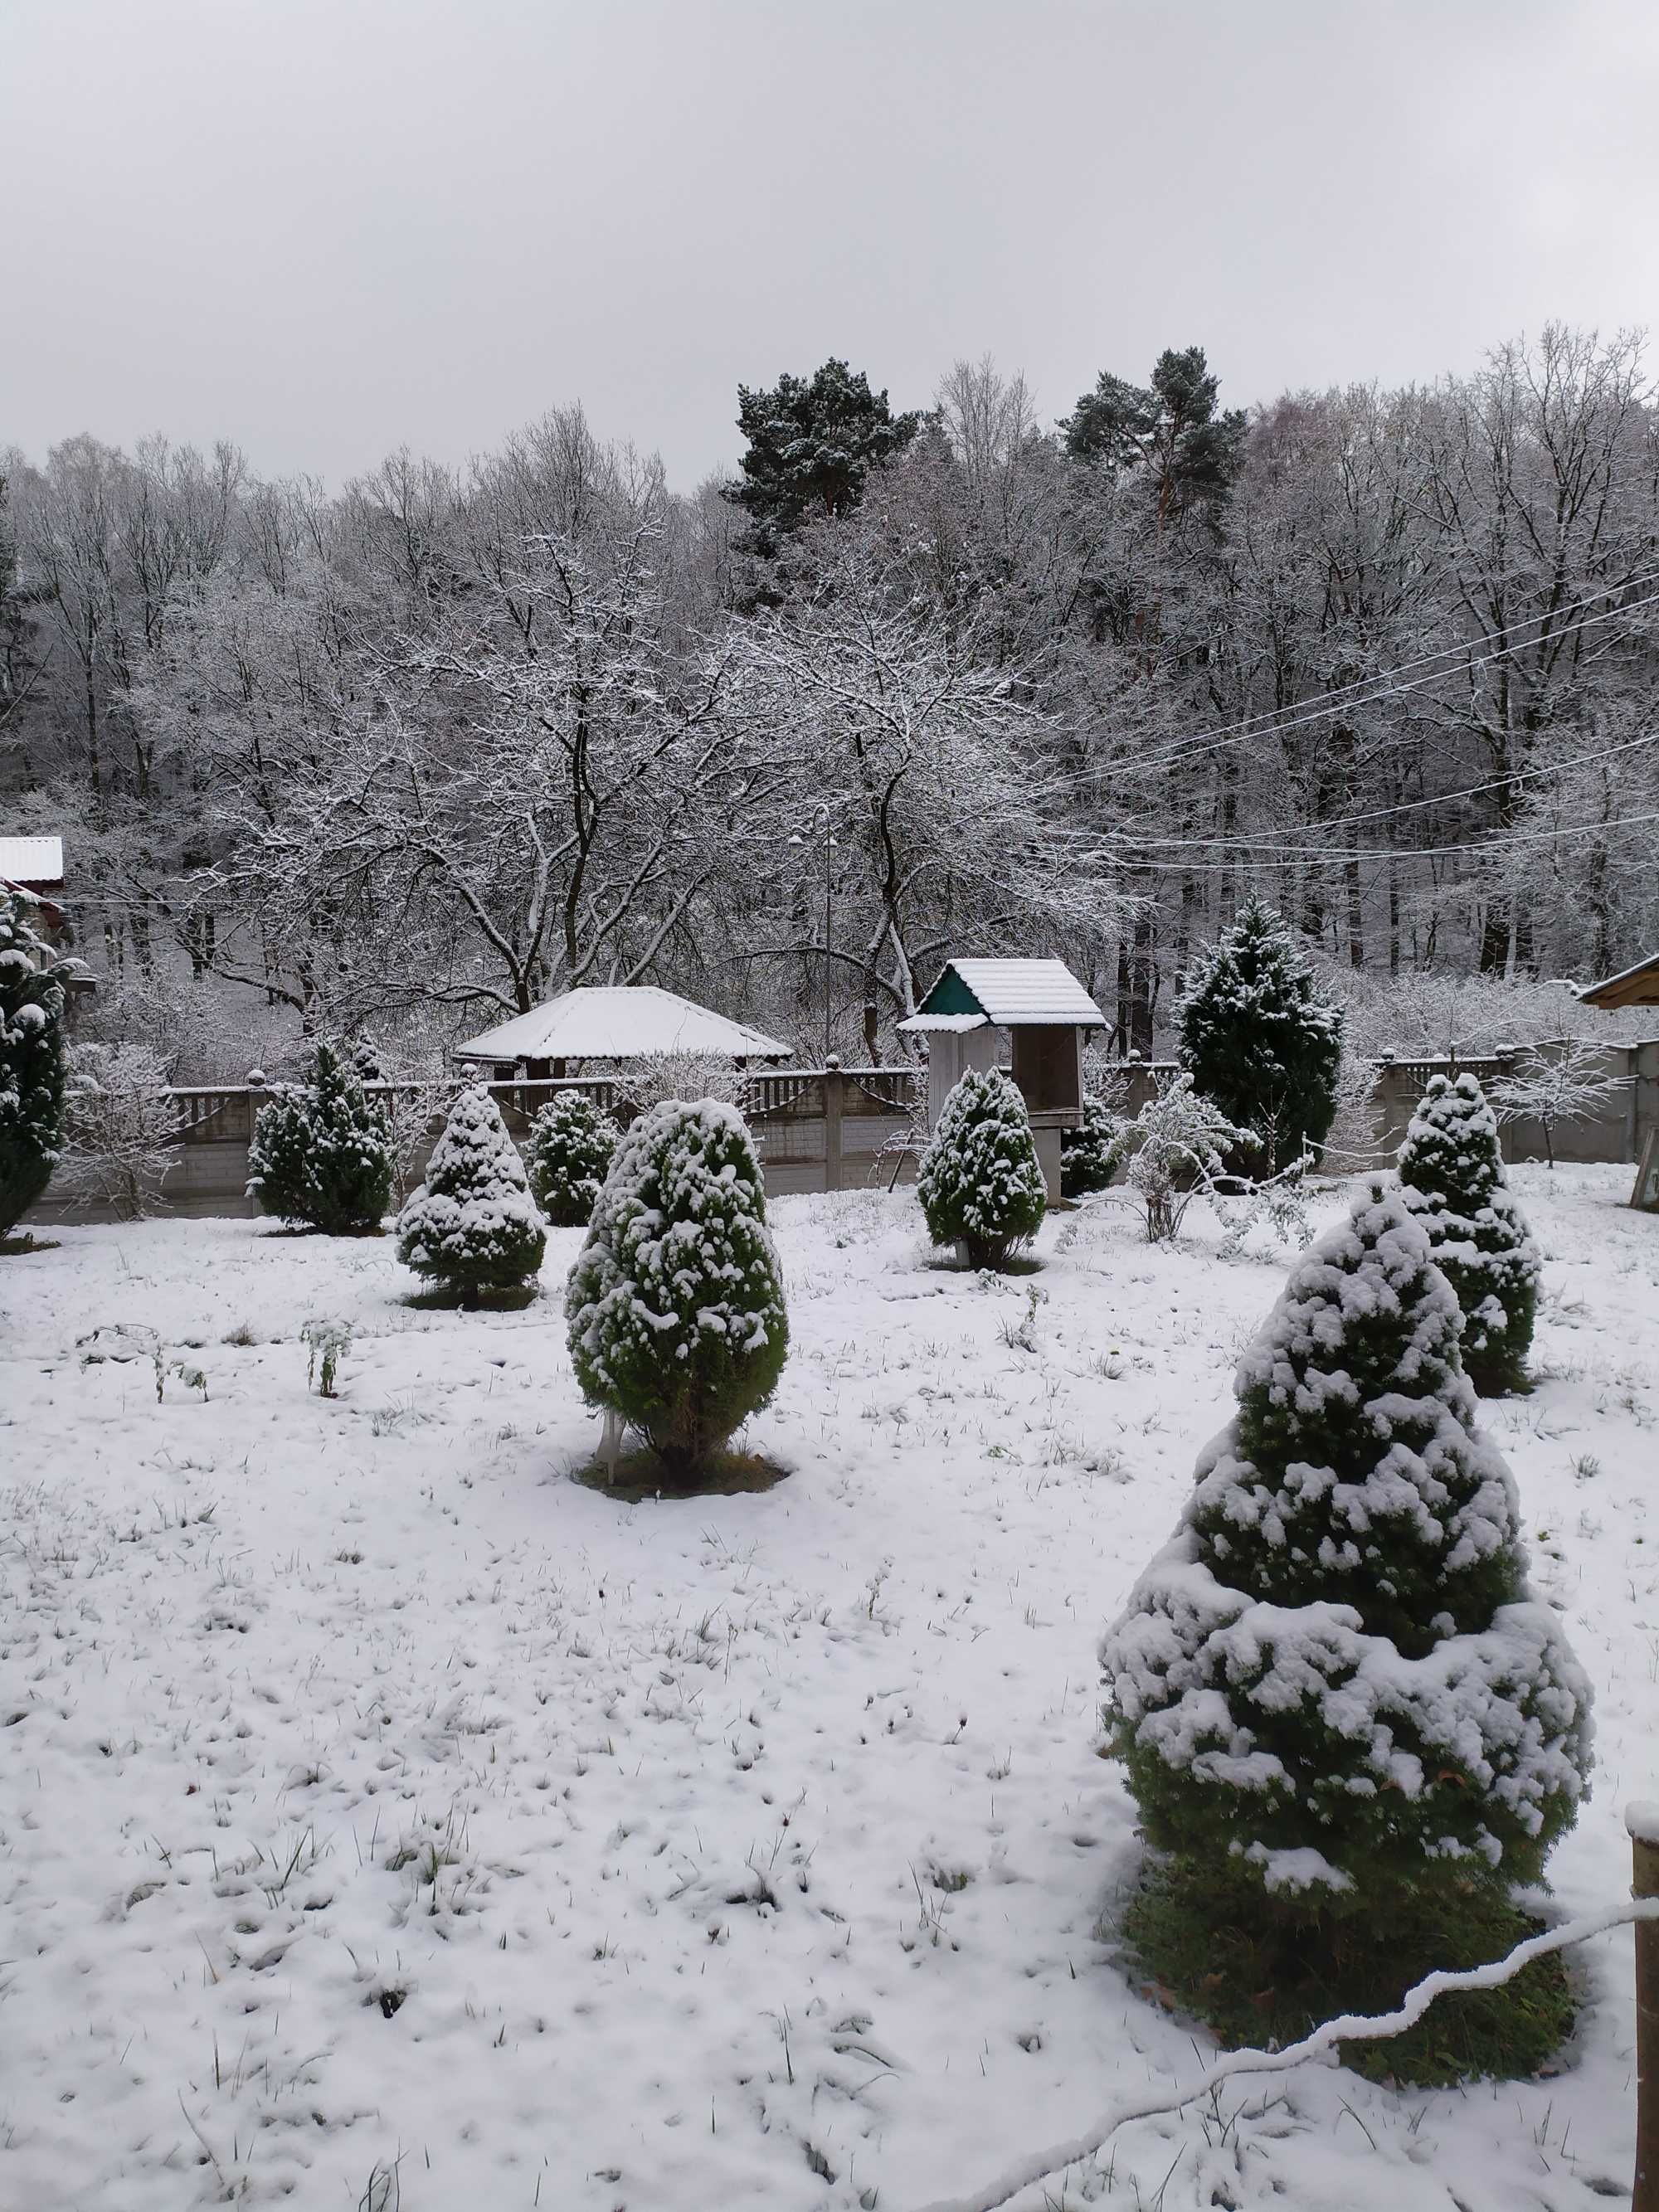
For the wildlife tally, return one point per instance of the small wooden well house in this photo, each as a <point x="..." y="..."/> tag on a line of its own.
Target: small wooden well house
<point x="1045" y="1011"/>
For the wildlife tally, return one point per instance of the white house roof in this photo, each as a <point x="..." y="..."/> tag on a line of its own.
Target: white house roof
<point x="36" y="862"/>
<point x="619" y="1022"/>
<point x="1012" y="993"/>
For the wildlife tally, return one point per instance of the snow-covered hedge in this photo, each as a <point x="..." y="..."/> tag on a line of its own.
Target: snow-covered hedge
<point x="980" y="1183"/>
<point x="1452" y="1179"/>
<point x="567" y="1155"/>
<point x="1259" y="1038"/>
<point x="1335" y="1683"/>
<point x="1091" y="1154"/>
<point x="674" y="1305"/>
<point x="32" y="999"/>
<point x="472" y="1225"/>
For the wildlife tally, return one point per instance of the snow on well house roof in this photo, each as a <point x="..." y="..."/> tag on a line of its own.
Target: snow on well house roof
<point x="619" y="1022"/>
<point x="1012" y="994"/>
<point x="34" y="863"/>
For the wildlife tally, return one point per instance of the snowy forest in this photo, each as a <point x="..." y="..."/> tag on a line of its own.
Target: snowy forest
<point x="398" y="759"/>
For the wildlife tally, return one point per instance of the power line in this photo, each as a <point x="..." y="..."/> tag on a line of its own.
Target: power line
<point x="1314" y="856"/>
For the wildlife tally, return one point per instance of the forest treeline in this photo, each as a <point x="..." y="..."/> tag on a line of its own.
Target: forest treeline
<point x="404" y="757"/>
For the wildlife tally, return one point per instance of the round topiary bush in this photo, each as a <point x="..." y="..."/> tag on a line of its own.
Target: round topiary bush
<point x="567" y="1156"/>
<point x="1259" y="1038"/>
<point x="1452" y="1179"/>
<point x="33" y="995"/>
<point x="674" y="1305"/>
<point x="472" y="1225"/>
<point x="1345" y="1716"/>
<point x="980" y="1183"/>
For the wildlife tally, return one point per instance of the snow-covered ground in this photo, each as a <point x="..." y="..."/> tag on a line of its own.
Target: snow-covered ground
<point x="373" y="1797"/>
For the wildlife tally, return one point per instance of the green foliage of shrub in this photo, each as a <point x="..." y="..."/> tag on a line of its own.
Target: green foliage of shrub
<point x="319" y="1155"/>
<point x="33" y="995"/>
<point x="1452" y="1179"/>
<point x="472" y="1225"/>
<point x="980" y="1183"/>
<point x="567" y="1156"/>
<point x="674" y="1305"/>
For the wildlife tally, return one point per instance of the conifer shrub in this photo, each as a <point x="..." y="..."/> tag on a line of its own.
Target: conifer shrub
<point x="675" y="1306"/>
<point x="319" y="1155"/>
<point x="1348" y="1723"/>
<point x="567" y="1155"/>
<point x="980" y="1183"/>
<point x="33" y="991"/>
<point x="1452" y="1179"/>
<point x="1091" y="1154"/>
<point x="472" y="1225"/>
<point x="1259" y="1038"/>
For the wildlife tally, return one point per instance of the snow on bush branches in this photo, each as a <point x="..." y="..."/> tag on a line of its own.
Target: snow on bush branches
<point x="1452" y="1179"/>
<point x="567" y="1156"/>
<point x="674" y="1305"/>
<point x="1335" y="1682"/>
<point x="32" y="991"/>
<point x="472" y="1225"/>
<point x="980" y="1183"/>
<point x="319" y="1155"/>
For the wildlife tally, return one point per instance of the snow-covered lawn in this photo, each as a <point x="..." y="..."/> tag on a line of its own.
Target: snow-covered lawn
<point x="374" y="1795"/>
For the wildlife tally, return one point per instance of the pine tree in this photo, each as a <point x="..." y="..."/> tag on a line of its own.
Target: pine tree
<point x="33" y="991"/>
<point x="472" y="1225"/>
<point x="567" y="1155"/>
<point x="1091" y="1154"/>
<point x="1169" y="430"/>
<point x="674" y="1305"/>
<point x="1259" y="1038"/>
<point x="1452" y="1179"/>
<point x="1334" y="1693"/>
<point x="279" y="1152"/>
<point x="812" y="443"/>
<point x="980" y="1183"/>
<point x="319" y="1154"/>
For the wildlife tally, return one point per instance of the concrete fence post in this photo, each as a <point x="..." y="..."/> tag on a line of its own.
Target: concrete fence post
<point x="834" y="1090"/>
<point x="1643" y="1821"/>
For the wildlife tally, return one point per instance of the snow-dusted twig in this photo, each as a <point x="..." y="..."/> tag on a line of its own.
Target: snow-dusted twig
<point x="1355" y="2028"/>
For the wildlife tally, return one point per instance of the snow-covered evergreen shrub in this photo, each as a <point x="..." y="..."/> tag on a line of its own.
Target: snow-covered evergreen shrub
<point x="980" y="1183"/>
<point x="1259" y="1038"/>
<point x="319" y="1155"/>
<point x="32" y="993"/>
<point x="674" y="1305"/>
<point x="567" y="1155"/>
<point x="1335" y="1688"/>
<point x="472" y="1225"/>
<point x="1452" y="1179"/>
<point x="1091" y="1154"/>
<point x="278" y="1154"/>
<point x="1178" y="1144"/>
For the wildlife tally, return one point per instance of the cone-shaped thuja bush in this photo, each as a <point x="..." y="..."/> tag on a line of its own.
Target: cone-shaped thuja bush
<point x="568" y="1156"/>
<point x="473" y="1226"/>
<point x="1335" y="1688"/>
<point x="279" y="1152"/>
<point x="675" y="1304"/>
<point x="980" y="1183"/>
<point x="32" y="994"/>
<point x="320" y="1154"/>
<point x="1259" y="1038"/>
<point x="1452" y="1179"/>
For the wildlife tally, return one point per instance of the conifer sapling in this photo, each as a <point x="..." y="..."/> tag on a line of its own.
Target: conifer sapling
<point x="1259" y="1038"/>
<point x="1452" y="1179"/>
<point x="980" y="1183"/>
<point x="567" y="1156"/>
<point x="674" y="1305"/>
<point x="472" y="1225"/>
<point x="1334" y="1691"/>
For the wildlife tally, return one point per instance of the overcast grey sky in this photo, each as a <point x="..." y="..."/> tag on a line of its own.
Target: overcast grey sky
<point x="326" y="227"/>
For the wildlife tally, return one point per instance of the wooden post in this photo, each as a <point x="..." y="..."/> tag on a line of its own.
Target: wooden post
<point x="1643" y="1821"/>
<point x="611" y="1443"/>
<point x="834" y="1093"/>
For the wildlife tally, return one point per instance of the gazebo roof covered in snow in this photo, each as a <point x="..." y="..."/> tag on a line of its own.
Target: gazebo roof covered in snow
<point x="1631" y="987"/>
<point x="1009" y="995"/>
<point x="619" y="1022"/>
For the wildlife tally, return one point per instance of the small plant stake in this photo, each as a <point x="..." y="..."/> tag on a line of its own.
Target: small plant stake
<point x="1643" y="1821"/>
